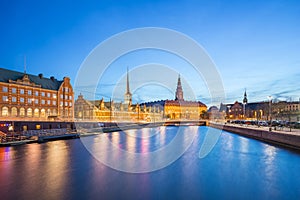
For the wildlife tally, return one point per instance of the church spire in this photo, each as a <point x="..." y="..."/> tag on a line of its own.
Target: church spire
<point x="245" y="100"/>
<point x="127" y="96"/>
<point x="179" y="92"/>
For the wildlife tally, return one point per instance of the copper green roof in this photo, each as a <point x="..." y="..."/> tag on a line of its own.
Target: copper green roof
<point x="46" y="83"/>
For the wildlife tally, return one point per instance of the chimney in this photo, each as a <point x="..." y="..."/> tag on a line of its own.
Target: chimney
<point x="41" y="75"/>
<point x="52" y="78"/>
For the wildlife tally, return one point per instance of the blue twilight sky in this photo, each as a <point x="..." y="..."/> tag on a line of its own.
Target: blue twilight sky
<point x="254" y="44"/>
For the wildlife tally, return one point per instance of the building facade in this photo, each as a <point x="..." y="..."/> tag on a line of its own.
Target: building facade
<point x="264" y="110"/>
<point x="26" y="97"/>
<point x="99" y="110"/>
<point x="179" y="109"/>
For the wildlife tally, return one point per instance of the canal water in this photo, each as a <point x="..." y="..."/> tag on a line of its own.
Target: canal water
<point x="236" y="168"/>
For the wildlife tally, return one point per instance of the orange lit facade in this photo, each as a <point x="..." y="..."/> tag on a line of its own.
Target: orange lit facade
<point x="25" y="97"/>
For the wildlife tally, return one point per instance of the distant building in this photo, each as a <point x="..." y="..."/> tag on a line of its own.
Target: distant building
<point x="26" y="97"/>
<point x="110" y="111"/>
<point x="277" y="110"/>
<point x="179" y="108"/>
<point x="99" y="110"/>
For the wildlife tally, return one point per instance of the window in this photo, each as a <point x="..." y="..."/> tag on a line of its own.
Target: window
<point x="36" y="113"/>
<point x="43" y="113"/>
<point x="66" y="89"/>
<point x="4" y="89"/>
<point x="66" y="103"/>
<point x="29" y="112"/>
<point x="70" y="104"/>
<point x="48" y="102"/>
<point x="36" y="101"/>
<point x="4" y="98"/>
<point x="14" y="111"/>
<point x="54" y="96"/>
<point x="48" y="94"/>
<point x="61" y="96"/>
<point x="4" y="111"/>
<point x="14" y="99"/>
<point x="70" y="97"/>
<point x="14" y="90"/>
<point x="48" y="112"/>
<point x="29" y="101"/>
<point x="36" y="93"/>
<point x="61" y="103"/>
<point x="22" y="100"/>
<point x="21" y="91"/>
<point x="43" y="101"/>
<point x="22" y="112"/>
<point x="29" y="92"/>
<point x="43" y="94"/>
<point x="54" y="103"/>
<point x="66" y="96"/>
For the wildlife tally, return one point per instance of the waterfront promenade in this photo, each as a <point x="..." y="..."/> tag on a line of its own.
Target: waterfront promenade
<point x="282" y="136"/>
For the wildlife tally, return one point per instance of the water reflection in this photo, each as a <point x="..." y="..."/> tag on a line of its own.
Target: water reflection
<point x="237" y="168"/>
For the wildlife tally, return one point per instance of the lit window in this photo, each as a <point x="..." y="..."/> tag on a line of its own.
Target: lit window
<point x="29" y="112"/>
<point x="61" y="103"/>
<point x="22" y="111"/>
<point x="36" y="101"/>
<point x="4" y="89"/>
<point x="14" y="99"/>
<point x="54" y="96"/>
<point x="36" y="93"/>
<point x="36" y="113"/>
<point x="22" y="100"/>
<point x="14" y="90"/>
<point x="29" y="92"/>
<point x="4" y="111"/>
<point x="21" y="91"/>
<point x="4" y="98"/>
<point x="43" y="94"/>
<point x="43" y="101"/>
<point x="14" y="111"/>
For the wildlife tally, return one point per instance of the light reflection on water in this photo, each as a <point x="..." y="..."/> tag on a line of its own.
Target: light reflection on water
<point x="237" y="168"/>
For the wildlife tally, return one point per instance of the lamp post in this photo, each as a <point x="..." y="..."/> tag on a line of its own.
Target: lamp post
<point x="270" y="112"/>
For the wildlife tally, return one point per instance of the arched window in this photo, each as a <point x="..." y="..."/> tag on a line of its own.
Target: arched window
<point x="29" y="112"/>
<point x="4" y="111"/>
<point x="43" y="113"/>
<point x="22" y="112"/>
<point x="14" y="112"/>
<point x="36" y="113"/>
<point x="48" y="112"/>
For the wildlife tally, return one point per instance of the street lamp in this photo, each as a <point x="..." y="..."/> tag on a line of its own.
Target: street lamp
<point x="270" y="110"/>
